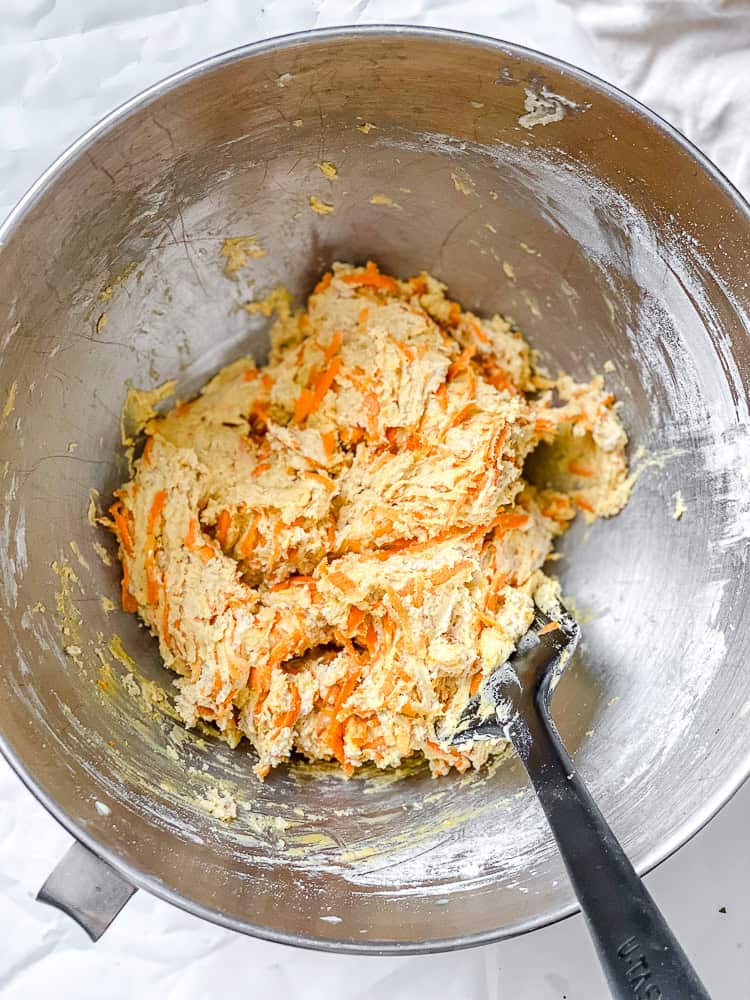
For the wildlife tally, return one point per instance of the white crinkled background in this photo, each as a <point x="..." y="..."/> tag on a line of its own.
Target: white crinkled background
<point x="62" y="66"/>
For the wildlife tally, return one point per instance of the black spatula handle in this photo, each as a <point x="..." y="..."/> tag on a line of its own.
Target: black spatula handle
<point x="639" y="954"/>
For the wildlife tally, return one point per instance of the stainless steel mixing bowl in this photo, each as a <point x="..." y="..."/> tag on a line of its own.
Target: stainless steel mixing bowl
<point x="532" y="189"/>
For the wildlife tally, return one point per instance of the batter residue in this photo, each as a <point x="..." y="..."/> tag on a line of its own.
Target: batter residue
<point x="333" y="551"/>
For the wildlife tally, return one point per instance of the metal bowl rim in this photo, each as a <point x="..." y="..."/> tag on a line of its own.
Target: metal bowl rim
<point x="153" y="885"/>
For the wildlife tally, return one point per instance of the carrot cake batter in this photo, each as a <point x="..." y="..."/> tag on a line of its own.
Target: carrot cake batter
<point x="334" y="550"/>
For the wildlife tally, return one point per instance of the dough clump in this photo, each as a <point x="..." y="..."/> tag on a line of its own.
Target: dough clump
<point x="336" y="549"/>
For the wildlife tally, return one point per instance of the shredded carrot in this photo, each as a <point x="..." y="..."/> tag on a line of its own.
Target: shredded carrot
<point x="147" y="449"/>
<point x="291" y="715"/>
<point x="372" y="278"/>
<point x="364" y="313"/>
<point x="191" y="534"/>
<point x="498" y="581"/>
<point x="261" y="468"/>
<point x="544" y="426"/>
<point x="181" y="409"/>
<point x="405" y="349"/>
<point x="206" y="553"/>
<point x="329" y="442"/>
<point x="260" y="678"/>
<point x="418" y="595"/>
<point x="356" y="616"/>
<point x="400" y="608"/>
<point x="549" y="627"/>
<point x="222" y="528"/>
<point x="501" y="380"/>
<point x="418" y="285"/>
<point x="122" y="528"/>
<point x="442" y="396"/>
<point x="335" y="733"/>
<point x="250" y="375"/>
<point x="462" y="361"/>
<point x="267" y="381"/>
<point x="371" y="638"/>
<point x="376" y="746"/>
<point x="293" y="581"/>
<point x="335" y="346"/>
<point x="309" y="400"/>
<point x="247" y="545"/>
<point x="584" y="504"/>
<point x="129" y="603"/>
<point x="324" y="282"/>
<point x="342" y="582"/>
<point x="479" y="333"/>
<point x="328" y="483"/>
<point x="476" y="683"/>
<point x="346" y="690"/>
<point x="442" y="751"/>
<point x="372" y="408"/>
<point x="509" y="520"/>
<point x="165" y="620"/>
<point x="325" y="380"/>
<point x="303" y="406"/>
<point x="157" y="506"/>
<point x="463" y="414"/>
<point x="454" y="314"/>
<point x="579" y="469"/>
<point x="447" y="572"/>
<point x="153" y="583"/>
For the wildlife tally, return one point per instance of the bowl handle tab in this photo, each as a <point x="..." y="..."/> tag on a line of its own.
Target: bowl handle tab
<point x="87" y="889"/>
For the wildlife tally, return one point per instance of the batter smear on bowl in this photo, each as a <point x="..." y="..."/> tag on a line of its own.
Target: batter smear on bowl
<point x="334" y="550"/>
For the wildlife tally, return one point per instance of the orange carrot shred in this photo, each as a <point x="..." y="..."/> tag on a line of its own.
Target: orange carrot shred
<point x="152" y="579"/>
<point x="157" y="506"/>
<point x="328" y="483"/>
<point x="290" y="717"/>
<point x="342" y="582"/>
<point x="191" y="534"/>
<point x="329" y="442"/>
<point x="334" y="346"/>
<point x="222" y="528"/>
<point x="442" y="396"/>
<point x="579" y="469"/>
<point x="447" y="572"/>
<point x="122" y="527"/>
<point x="165" y="620"/>
<point x="129" y="603"/>
<point x="356" y="616"/>
<point x="324" y="282"/>
<point x="479" y="333"/>
<point x="549" y="627"/>
<point x="507" y="521"/>
<point x="462" y="361"/>
<point x="372" y="278"/>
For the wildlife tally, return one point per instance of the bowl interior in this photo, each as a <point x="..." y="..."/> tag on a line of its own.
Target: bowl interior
<point x="531" y="190"/>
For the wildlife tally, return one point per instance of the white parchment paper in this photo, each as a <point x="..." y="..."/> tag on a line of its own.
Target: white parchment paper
<point x="65" y="64"/>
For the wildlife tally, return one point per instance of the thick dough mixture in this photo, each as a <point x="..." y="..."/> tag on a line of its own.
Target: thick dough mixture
<point x="336" y="549"/>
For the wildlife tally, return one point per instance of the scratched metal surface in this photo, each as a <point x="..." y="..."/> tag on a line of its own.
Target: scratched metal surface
<point x="60" y="70"/>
